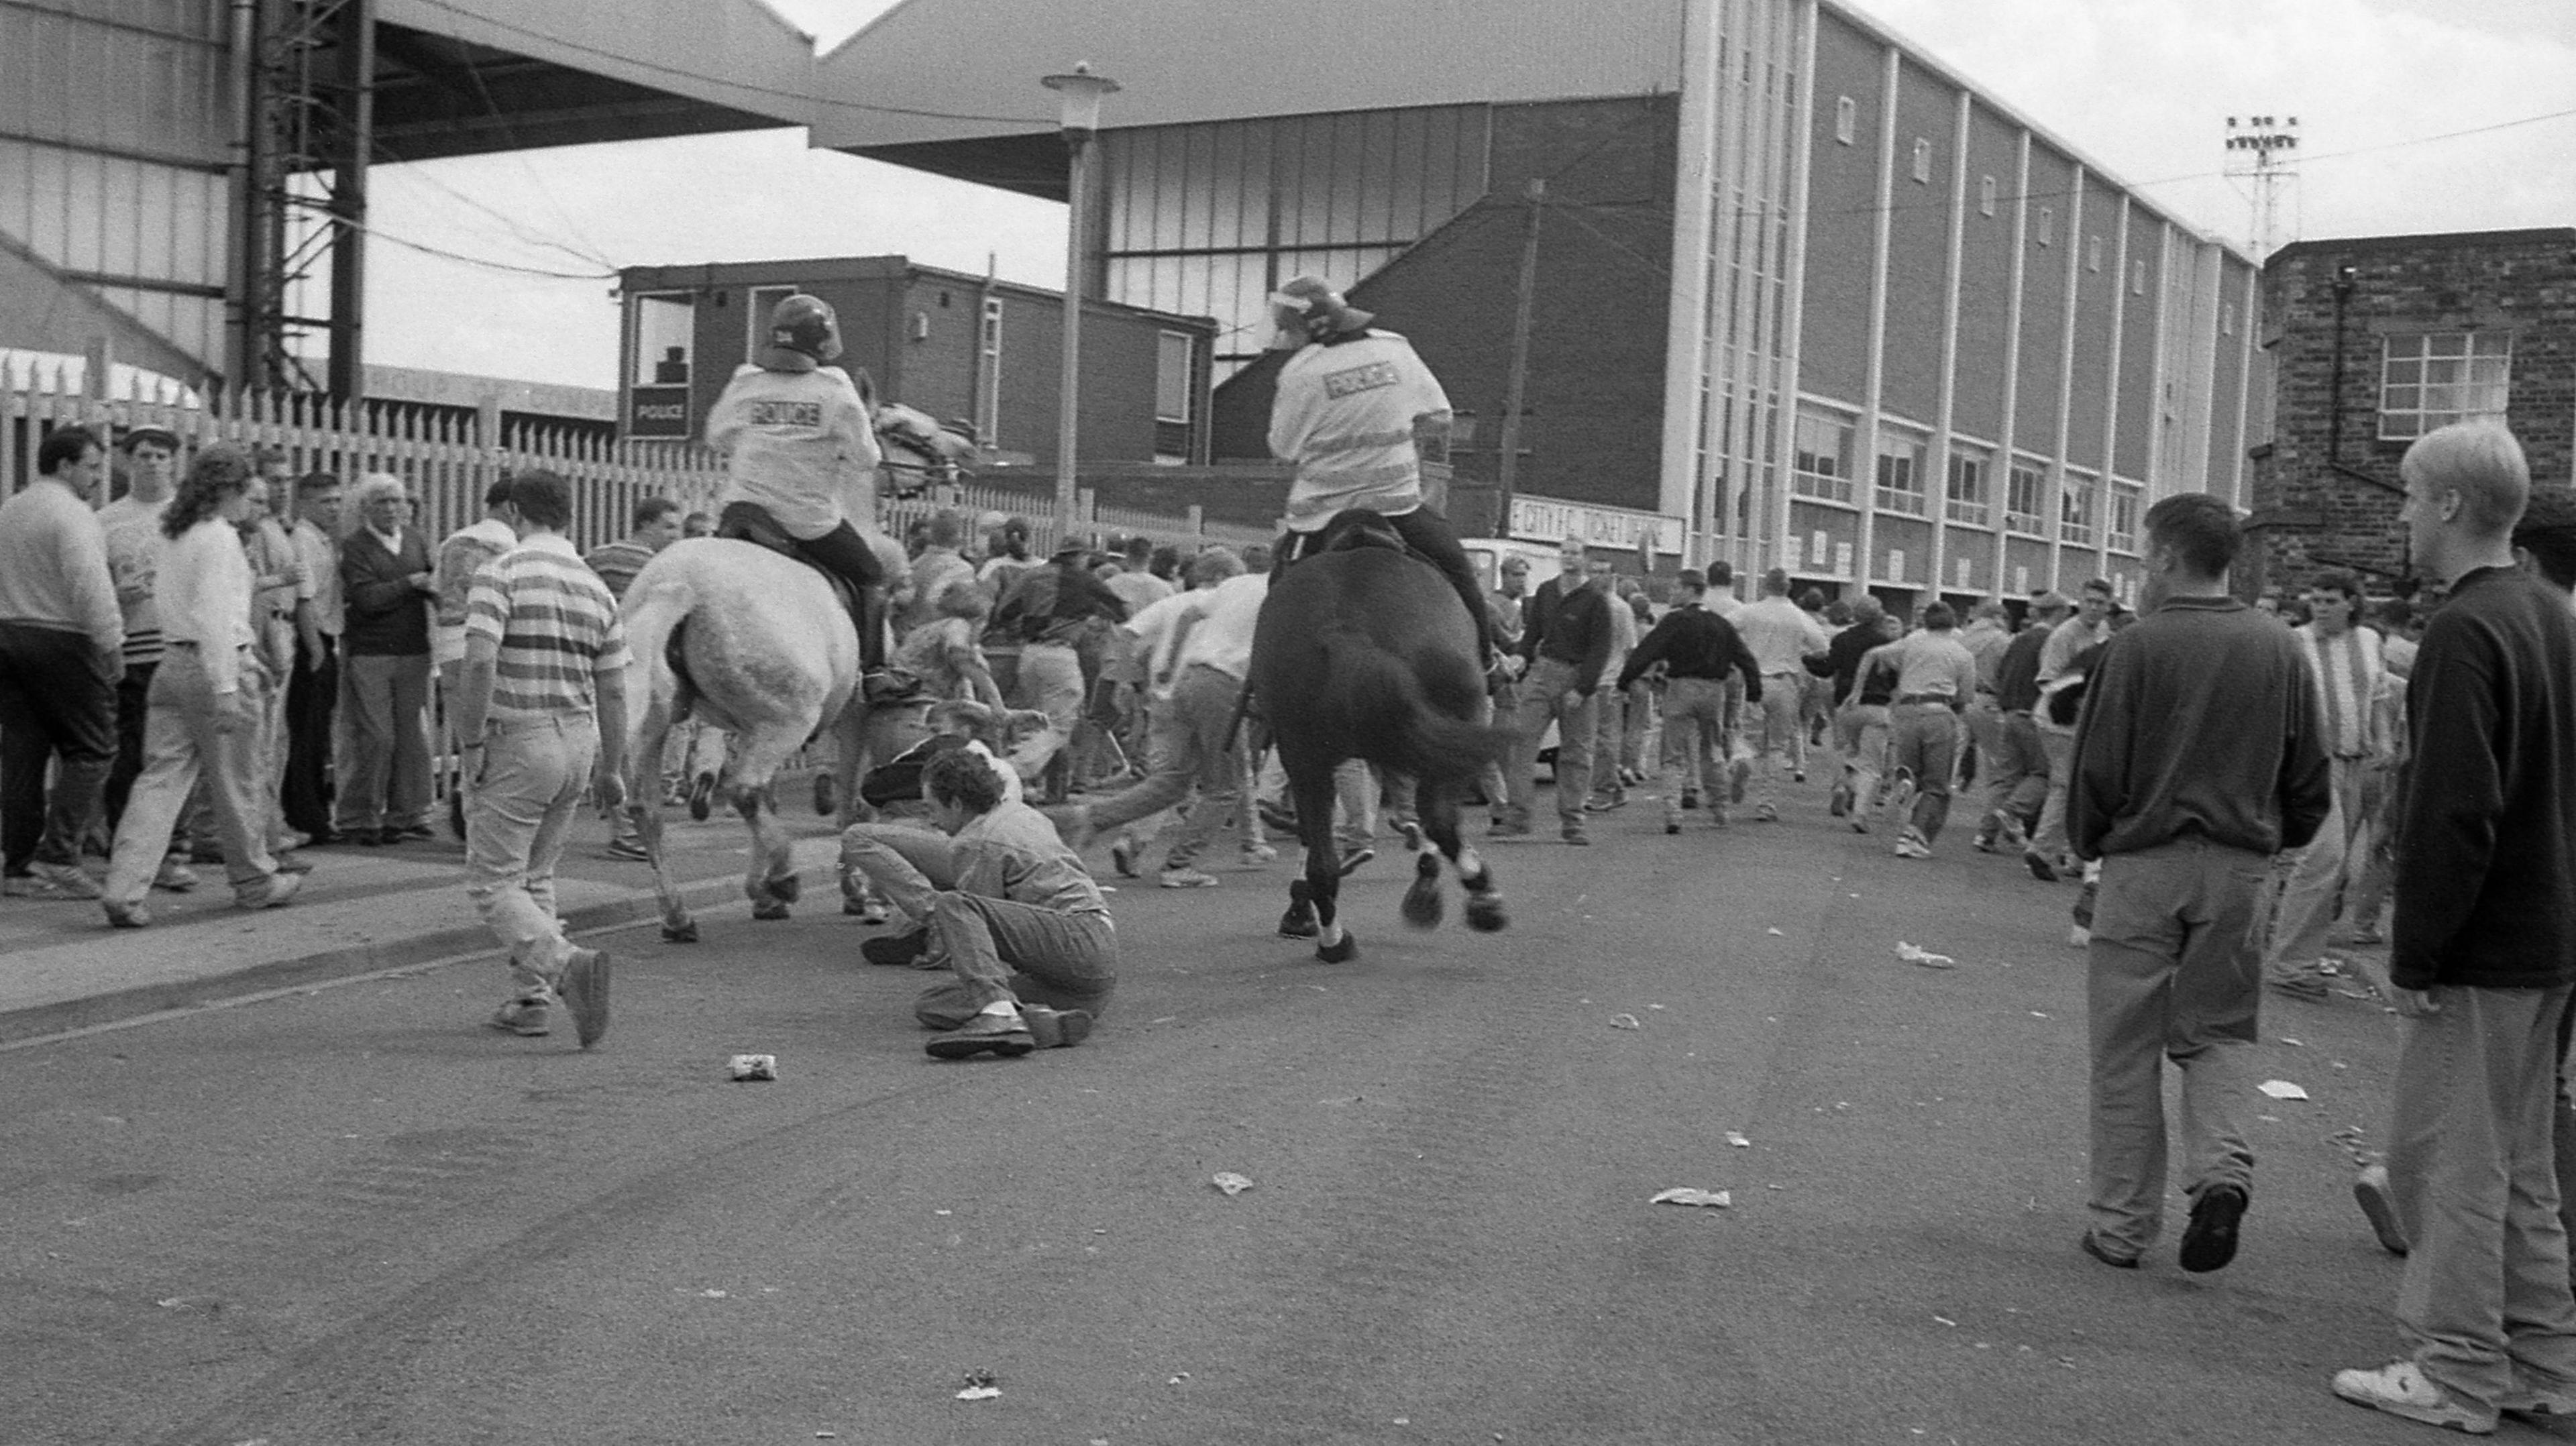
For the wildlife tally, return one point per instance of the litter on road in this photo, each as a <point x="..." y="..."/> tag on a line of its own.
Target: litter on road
<point x="1625" y="1021"/>
<point x="2281" y="1089"/>
<point x="1685" y="1195"/>
<point x="754" y="1066"/>
<point x="1925" y="957"/>
<point x="1231" y="1183"/>
<point x="1737" y="1139"/>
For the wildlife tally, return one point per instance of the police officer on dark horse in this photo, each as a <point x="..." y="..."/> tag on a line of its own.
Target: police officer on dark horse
<point x="1358" y="652"/>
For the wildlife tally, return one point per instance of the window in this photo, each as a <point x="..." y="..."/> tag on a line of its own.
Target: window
<point x="665" y="327"/>
<point x="988" y="375"/>
<point x="2125" y="500"/>
<point x="2093" y="254"/>
<point x="1900" y="474"/>
<point x="1824" y="458"/>
<point x="755" y="321"/>
<point x="2227" y="319"/>
<point x="2021" y="498"/>
<point x="2434" y="379"/>
<point x="1985" y="195"/>
<point x="1172" y="376"/>
<point x="2075" y="511"/>
<point x="1846" y="118"/>
<point x="1965" y="500"/>
<point x="2047" y="225"/>
<point x="1922" y="161"/>
<point x="2137" y="278"/>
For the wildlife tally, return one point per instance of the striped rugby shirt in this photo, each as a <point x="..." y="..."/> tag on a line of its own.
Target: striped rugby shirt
<point x="556" y="627"/>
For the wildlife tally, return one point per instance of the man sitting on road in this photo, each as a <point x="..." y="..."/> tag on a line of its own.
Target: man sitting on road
<point x="1003" y="906"/>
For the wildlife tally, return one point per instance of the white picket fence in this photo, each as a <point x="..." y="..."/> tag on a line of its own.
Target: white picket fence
<point x="449" y="460"/>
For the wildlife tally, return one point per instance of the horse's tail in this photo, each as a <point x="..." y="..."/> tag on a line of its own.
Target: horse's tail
<point x="1393" y="721"/>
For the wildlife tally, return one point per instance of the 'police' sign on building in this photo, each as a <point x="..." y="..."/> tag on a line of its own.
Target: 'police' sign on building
<point x="657" y="412"/>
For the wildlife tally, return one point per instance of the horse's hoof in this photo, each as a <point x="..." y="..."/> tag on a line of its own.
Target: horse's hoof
<point x="1423" y="904"/>
<point x="1342" y="953"/>
<point x="770" y="909"/>
<point x="1485" y="914"/>
<point x="702" y="797"/>
<point x="787" y="887"/>
<point x="827" y="794"/>
<point x="680" y="933"/>
<point x="1298" y="923"/>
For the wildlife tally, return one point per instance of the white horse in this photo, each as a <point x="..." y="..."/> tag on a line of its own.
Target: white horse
<point x="757" y="644"/>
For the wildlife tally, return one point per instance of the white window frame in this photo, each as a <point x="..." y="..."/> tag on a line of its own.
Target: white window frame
<point x="1846" y="118"/>
<point x="639" y="366"/>
<point x="988" y="362"/>
<point x="1971" y="508"/>
<point x="2075" y="504"/>
<point x="1189" y="365"/>
<point x="2128" y="504"/>
<point x="2030" y="522"/>
<point x="1896" y="473"/>
<point x="1834" y="484"/>
<point x="2430" y="379"/>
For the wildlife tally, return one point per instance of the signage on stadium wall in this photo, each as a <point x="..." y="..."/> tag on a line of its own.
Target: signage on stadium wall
<point x="657" y="411"/>
<point x="1544" y="519"/>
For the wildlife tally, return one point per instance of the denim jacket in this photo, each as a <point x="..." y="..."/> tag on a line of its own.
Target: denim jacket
<point x="1014" y="853"/>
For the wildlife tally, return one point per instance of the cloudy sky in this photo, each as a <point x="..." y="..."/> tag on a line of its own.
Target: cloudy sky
<point x="2383" y="90"/>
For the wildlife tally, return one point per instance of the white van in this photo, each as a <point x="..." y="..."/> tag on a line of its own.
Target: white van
<point x="1487" y="554"/>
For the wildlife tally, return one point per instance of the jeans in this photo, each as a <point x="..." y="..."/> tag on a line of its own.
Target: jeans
<point x="312" y="697"/>
<point x="1926" y="743"/>
<point x="2484" y="1304"/>
<point x="1860" y="736"/>
<point x="1783" y="729"/>
<point x="55" y="703"/>
<point x="2049" y="840"/>
<point x="2171" y="975"/>
<point x="1050" y="681"/>
<point x="518" y="808"/>
<point x="2325" y="869"/>
<point x="1548" y="696"/>
<point x="1187" y="749"/>
<point x="2018" y="773"/>
<point x="181" y="743"/>
<point x="993" y="949"/>
<point x="385" y="698"/>
<point x="1511" y="785"/>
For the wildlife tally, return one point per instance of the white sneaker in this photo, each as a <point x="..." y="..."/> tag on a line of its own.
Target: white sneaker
<point x="1911" y="844"/>
<point x="2399" y="1389"/>
<point x="1187" y="879"/>
<point x="1257" y="855"/>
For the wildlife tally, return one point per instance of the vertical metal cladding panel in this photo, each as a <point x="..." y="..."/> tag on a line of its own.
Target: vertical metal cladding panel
<point x="1842" y="205"/>
<point x="1985" y="278"/>
<point x="1918" y="242"/>
<point x="1838" y="531"/>
<point x="2043" y="289"/>
<point x="2142" y="291"/>
<point x="2097" y="291"/>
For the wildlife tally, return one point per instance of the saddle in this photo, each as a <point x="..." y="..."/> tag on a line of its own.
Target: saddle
<point x="1350" y="530"/>
<point x="881" y="684"/>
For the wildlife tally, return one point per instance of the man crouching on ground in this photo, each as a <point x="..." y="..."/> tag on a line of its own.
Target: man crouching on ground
<point x="1005" y="908"/>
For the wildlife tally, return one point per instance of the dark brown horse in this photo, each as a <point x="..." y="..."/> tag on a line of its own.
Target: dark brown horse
<point x="1363" y="652"/>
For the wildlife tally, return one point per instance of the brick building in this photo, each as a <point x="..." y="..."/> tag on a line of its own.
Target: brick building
<point x="1801" y="290"/>
<point x="2432" y="328"/>
<point x="961" y="347"/>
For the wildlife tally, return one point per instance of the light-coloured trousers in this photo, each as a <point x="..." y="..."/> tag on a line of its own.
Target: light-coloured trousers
<point x="992" y="949"/>
<point x="2017" y="772"/>
<point x="1783" y="727"/>
<point x="1924" y="739"/>
<point x="2171" y="974"/>
<point x="2059" y="745"/>
<point x="518" y="809"/>
<point x="1694" y="738"/>
<point x="181" y="744"/>
<point x="384" y="703"/>
<point x="1860" y="736"/>
<point x="1187" y="749"/>
<point x="1511" y="784"/>
<point x="2484" y="1304"/>
<point x="2314" y="895"/>
<point x="1544" y="700"/>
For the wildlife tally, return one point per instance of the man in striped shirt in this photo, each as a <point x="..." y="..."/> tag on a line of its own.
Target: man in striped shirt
<point x="541" y="718"/>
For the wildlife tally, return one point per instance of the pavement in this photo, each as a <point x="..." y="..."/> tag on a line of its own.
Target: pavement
<point x="361" y="911"/>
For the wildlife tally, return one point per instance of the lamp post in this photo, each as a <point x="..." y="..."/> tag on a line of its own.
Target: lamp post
<point x="1079" y="95"/>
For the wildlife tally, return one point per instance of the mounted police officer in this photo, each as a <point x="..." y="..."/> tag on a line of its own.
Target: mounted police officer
<point x="1352" y="406"/>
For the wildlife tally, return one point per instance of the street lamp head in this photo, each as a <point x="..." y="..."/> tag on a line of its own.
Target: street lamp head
<point x="1078" y="96"/>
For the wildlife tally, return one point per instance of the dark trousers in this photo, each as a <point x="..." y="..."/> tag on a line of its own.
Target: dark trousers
<point x="133" y="705"/>
<point x="55" y="702"/>
<point x="312" y="695"/>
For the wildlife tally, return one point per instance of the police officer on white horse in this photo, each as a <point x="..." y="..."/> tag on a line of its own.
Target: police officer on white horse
<point x="801" y="452"/>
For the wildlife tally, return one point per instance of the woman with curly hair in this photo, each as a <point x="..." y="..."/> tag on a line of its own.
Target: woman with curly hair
<point x="205" y="699"/>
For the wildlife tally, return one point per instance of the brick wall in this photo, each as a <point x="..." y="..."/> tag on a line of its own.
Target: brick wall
<point x="2313" y="511"/>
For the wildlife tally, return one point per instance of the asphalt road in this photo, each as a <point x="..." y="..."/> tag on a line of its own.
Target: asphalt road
<point x="353" y="1215"/>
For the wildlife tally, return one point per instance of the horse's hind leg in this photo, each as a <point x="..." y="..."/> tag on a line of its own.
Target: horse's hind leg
<point x="644" y="806"/>
<point x="770" y="883"/>
<point x="1423" y="902"/>
<point x="850" y="758"/>
<point x="1312" y="788"/>
<point x="1484" y="896"/>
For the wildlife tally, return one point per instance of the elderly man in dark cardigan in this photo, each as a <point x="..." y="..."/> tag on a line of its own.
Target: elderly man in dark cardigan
<point x="387" y="587"/>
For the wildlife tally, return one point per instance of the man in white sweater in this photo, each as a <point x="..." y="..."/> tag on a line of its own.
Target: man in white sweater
<point x="62" y="639"/>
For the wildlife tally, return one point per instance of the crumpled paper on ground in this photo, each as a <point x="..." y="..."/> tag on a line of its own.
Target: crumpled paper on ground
<point x="1924" y="957"/>
<point x="1230" y="1182"/>
<point x="2281" y="1089"/>
<point x="1685" y="1195"/>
